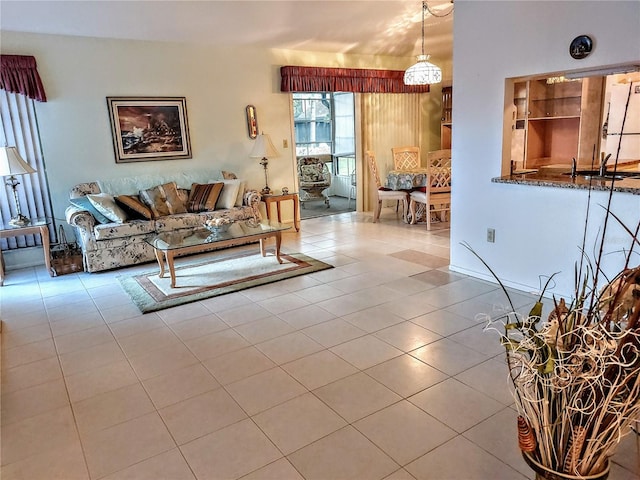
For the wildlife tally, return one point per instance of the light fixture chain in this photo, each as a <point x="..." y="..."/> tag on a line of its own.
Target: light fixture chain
<point x="425" y="5"/>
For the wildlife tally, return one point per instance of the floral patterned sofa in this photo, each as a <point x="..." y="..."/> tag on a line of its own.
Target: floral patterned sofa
<point x="108" y="244"/>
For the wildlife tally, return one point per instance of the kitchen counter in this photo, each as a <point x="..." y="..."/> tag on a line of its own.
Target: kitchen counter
<point x="582" y="182"/>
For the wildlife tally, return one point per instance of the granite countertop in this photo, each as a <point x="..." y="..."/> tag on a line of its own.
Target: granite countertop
<point x="582" y="182"/>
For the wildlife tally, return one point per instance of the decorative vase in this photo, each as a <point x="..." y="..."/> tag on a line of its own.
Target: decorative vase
<point x="544" y="473"/>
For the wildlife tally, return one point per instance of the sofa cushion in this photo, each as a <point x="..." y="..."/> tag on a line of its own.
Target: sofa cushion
<point x="123" y="230"/>
<point x="180" y="221"/>
<point x="106" y="205"/>
<point x="229" y="194"/>
<point x="203" y="196"/>
<point x="163" y="200"/>
<point x="85" y="204"/>
<point x="134" y="207"/>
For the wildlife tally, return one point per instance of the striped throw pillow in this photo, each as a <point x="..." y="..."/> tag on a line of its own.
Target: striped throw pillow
<point x="203" y="196"/>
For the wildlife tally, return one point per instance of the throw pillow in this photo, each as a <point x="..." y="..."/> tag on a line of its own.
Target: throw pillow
<point x="228" y="175"/>
<point x="107" y="206"/>
<point x="311" y="173"/>
<point x="85" y="204"/>
<point x="229" y="194"/>
<point x="241" y="190"/>
<point x="204" y="196"/>
<point x="163" y="200"/>
<point x="134" y="206"/>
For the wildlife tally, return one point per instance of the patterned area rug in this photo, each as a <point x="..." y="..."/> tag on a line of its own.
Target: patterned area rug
<point x="216" y="274"/>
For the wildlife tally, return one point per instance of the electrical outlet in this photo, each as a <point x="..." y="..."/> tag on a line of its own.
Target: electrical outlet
<point x="285" y="143"/>
<point x="491" y="235"/>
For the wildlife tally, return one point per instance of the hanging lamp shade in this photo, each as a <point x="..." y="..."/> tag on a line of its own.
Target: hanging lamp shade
<point x="423" y="72"/>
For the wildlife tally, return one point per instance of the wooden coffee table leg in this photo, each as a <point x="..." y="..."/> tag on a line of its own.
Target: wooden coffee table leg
<point x="278" y="242"/>
<point x="160" y="259"/>
<point x="172" y="271"/>
<point x="263" y="249"/>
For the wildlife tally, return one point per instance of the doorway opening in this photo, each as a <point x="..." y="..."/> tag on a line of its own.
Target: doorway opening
<point x="324" y="124"/>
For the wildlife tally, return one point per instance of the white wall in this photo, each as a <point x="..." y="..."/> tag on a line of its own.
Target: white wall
<point x="538" y="230"/>
<point x="79" y="73"/>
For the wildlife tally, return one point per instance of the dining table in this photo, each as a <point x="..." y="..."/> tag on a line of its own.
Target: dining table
<point x="407" y="179"/>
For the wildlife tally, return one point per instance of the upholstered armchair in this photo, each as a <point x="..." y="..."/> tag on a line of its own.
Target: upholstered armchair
<point x="314" y="178"/>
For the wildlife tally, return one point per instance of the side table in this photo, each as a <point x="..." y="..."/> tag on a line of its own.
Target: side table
<point x="39" y="225"/>
<point x="269" y="199"/>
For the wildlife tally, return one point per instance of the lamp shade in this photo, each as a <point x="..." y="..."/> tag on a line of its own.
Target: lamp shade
<point x="11" y="163"/>
<point x="263" y="148"/>
<point x="423" y="72"/>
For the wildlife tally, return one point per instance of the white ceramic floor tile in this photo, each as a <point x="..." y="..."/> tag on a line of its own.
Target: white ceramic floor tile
<point x="298" y="422"/>
<point x="343" y="454"/>
<point x="356" y="396"/>
<point x="126" y="444"/>
<point x="167" y="465"/>
<point x="365" y="352"/>
<point x="404" y="431"/>
<point x="265" y="390"/>
<point x="406" y="375"/>
<point x="230" y="452"/>
<point x="179" y="385"/>
<point x="289" y="347"/>
<point x="31" y="401"/>
<point x="407" y="336"/>
<point x="448" y="356"/>
<point x="200" y="415"/>
<point x="319" y="369"/>
<point x="449" y="402"/>
<point x="445" y="463"/>
<point x="237" y="365"/>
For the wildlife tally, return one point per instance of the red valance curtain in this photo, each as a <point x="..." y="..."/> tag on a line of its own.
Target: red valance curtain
<point x="18" y="74"/>
<point x="359" y="80"/>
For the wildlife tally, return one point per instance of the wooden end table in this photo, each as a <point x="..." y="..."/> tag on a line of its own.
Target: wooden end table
<point x="269" y="199"/>
<point x="38" y="225"/>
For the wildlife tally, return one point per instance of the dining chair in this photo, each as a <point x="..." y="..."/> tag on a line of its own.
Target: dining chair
<point x="384" y="193"/>
<point x="406" y="158"/>
<point x="436" y="196"/>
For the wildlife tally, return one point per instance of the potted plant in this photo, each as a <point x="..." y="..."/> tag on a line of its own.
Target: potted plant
<point x="576" y="376"/>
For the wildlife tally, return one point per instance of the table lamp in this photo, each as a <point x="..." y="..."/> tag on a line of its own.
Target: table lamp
<point x="12" y="164"/>
<point x="263" y="149"/>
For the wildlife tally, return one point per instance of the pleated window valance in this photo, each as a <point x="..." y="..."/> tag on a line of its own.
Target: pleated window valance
<point x="18" y="74"/>
<point x="359" y="80"/>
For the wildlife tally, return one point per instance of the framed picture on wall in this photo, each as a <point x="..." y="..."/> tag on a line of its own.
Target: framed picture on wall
<point x="149" y="128"/>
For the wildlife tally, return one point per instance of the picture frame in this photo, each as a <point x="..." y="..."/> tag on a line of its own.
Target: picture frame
<point x="252" y="121"/>
<point x="149" y="128"/>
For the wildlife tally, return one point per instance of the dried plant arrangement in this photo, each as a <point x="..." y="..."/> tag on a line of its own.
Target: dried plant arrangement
<point x="576" y="376"/>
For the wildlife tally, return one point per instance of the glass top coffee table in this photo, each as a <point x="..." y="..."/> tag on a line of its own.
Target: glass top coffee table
<point x="171" y="244"/>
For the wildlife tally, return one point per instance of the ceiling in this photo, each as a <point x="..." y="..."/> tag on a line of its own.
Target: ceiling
<point x="340" y="26"/>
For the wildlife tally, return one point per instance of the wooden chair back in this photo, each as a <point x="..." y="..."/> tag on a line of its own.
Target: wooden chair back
<point x="373" y="167"/>
<point x="439" y="166"/>
<point x="406" y="158"/>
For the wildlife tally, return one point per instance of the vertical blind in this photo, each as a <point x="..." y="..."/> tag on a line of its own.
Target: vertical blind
<point x="389" y="120"/>
<point x="19" y="128"/>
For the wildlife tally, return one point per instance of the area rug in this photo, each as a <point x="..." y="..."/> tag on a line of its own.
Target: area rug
<point x="216" y="274"/>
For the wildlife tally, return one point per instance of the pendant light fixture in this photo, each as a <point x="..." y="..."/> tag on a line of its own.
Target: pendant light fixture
<point x="423" y="72"/>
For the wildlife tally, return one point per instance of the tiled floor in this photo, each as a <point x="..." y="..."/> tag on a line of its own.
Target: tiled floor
<point x="375" y="369"/>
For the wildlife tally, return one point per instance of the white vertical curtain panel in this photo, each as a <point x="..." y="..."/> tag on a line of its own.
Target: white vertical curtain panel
<point x="388" y="120"/>
<point x="19" y="128"/>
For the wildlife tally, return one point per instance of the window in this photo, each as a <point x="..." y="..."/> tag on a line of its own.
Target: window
<point x="324" y="124"/>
